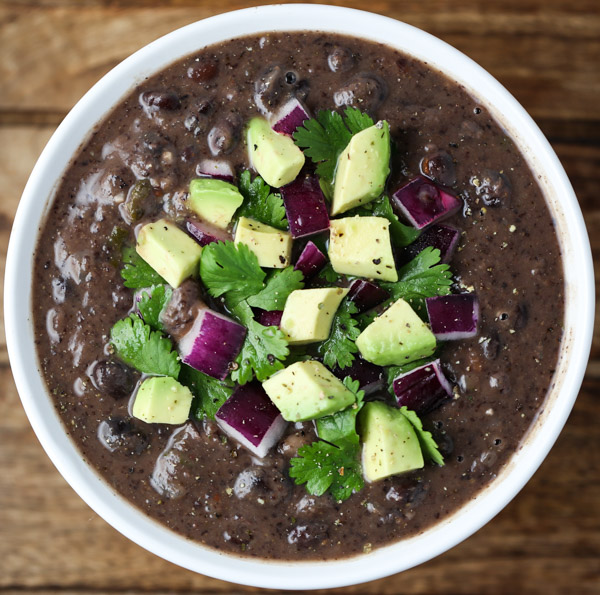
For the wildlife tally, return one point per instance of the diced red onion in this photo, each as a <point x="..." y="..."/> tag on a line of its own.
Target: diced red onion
<point x="305" y="206"/>
<point x="291" y="115"/>
<point x="366" y="295"/>
<point x="212" y="343"/>
<point x="453" y="316"/>
<point x="212" y="168"/>
<point x="204" y="233"/>
<point x="423" y="388"/>
<point x="370" y="377"/>
<point x="443" y="237"/>
<point x="250" y="417"/>
<point x="270" y="318"/>
<point x="422" y="202"/>
<point x="310" y="261"/>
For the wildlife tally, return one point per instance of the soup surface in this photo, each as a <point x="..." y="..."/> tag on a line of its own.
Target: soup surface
<point x="194" y="479"/>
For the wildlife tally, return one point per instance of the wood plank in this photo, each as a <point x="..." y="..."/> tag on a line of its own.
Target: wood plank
<point x="547" y="59"/>
<point x="48" y="536"/>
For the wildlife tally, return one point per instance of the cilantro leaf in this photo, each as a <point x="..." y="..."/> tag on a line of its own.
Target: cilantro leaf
<point x="144" y="349"/>
<point x="260" y="203"/>
<point x="232" y="269"/>
<point x="264" y="349"/>
<point x="323" y="138"/>
<point x="422" y="277"/>
<point x="279" y="286"/>
<point x="402" y="235"/>
<point x="339" y="347"/>
<point x="329" y="274"/>
<point x="152" y="302"/>
<point x="428" y="444"/>
<point x="136" y="272"/>
<point x="342" y="424"/>
<point x="323" y="466"/>
<point x="209" y="393"/>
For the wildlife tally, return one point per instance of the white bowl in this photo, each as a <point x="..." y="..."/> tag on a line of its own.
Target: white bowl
<point x="381" y="562"/>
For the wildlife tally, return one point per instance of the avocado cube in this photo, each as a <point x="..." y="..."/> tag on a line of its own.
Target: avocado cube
<point x="169" y="251"/>
<point x="390" y="443"/>
<point x="162" y="400"/>
<point x="308" y="314"/>
<point x="361" y="246"/>
<point x="272" y="247"/>
<point x="307" y="390"/>
<point x="214" y="201"/>
<point x="274" y="156"/>
<point x="396" y="337"/>
<point x="362" y="169"/>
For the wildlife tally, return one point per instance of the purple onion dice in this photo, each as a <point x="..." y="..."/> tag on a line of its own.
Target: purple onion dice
<point x="422" y="202"/>
<point x="250" y="417"/>
<point x="291" y="115"/>
<point x="310" y="261"/>
<point x="370" y="377"/>
<point x="204" y="233"/>
<point x="442" y="237"/>
<point x="212" y="343"/>
<point x="305" y="206"/>
<point x="366" y="295"/>
<point x="212" y="168"/>
<point x="271" y="318"/>
<point x="423" y="388"/>
<point x="453" y="316"/>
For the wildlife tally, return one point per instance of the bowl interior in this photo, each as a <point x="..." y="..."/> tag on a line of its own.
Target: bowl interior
<point x="381" y="562"/>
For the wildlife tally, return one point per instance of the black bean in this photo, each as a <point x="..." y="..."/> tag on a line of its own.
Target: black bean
<point x="113" y="378"/>
<point x="160" y="100"/>
<point x="119" y="434"/>
<point x="494" y="189"/>
<point x="203" y="70"/>
<point x="439" y="166"/>
<point x="223" y="137"/>
<point x="365" y="92"/>
<point x="340" y="59"/>
<point x="491" y="346"/>
<point x="269" y="87"/>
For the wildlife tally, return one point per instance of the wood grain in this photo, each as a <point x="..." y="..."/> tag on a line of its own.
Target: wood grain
<point x="547" y="53"/>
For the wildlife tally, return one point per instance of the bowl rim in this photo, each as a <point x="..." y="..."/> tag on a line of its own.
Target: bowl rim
<point x="381" y="562"/>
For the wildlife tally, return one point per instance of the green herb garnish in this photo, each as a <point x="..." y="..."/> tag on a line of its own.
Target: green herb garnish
<point x="339" y="348"/>
<point x="323" y="138"/>
<point x="144" y="349"/>
<point x="428" y="444"/>
<point x="279" y="286"/>
<point x="260" y="203"/>
<point x="209" y="393"/>
<point x="152" y="303"/>
<point x="333" y="465"/>
<point x="136" y="272"/>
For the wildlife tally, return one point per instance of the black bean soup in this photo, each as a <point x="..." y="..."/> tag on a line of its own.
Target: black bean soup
<point x="194" y="479"/>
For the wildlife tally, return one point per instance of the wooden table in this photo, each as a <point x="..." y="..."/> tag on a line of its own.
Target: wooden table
<point x="547" y="52"/>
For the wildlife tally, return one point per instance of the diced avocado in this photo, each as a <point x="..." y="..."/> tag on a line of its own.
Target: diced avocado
<point x="169" y="251"/>
<point x="362" y="168"/>
<point x="162" y="400"/>
<point x="214" y="201"/>
<point x="308" y="314"/>
<point x="307" y="390"/>
<point x="390" y="444"/>
<point x="396" y="337"/>
<point x="274" y="156"/>
<point x="361" y="246"/>
<point x="272" y="247"/>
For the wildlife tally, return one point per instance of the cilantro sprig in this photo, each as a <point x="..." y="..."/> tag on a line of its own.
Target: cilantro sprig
<point x="232" y="272"/>
<point x="323" y="138"/>
<point x="260" y="203"/>
<point x="420" y="278"/>
<point x="278" y="287"/>
<point x="144" y="349"/>
<point x="428" y="444"/>
<point x="136" y="272"/>
<point x="339" y="348"/>
<point x="209" y="393"/>
<point x="152" y="302"/>
<point x="332" y="463"/>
